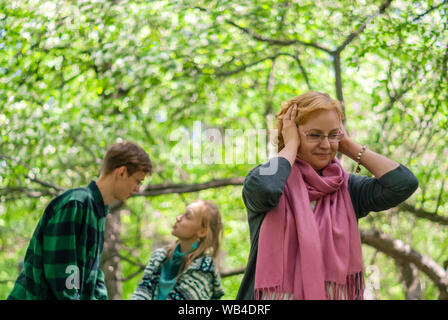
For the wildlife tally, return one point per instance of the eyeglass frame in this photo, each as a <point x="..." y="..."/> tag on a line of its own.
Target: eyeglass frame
<point x="340" y="134"/>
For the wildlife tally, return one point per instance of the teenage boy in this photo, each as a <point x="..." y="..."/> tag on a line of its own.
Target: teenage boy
<point x="63" y="257"/>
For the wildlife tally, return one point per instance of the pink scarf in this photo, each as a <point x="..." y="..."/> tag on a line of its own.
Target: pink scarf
<point x="311" y="255"/>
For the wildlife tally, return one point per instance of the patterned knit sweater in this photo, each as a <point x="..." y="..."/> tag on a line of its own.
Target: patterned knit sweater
<point x="200" y="281"/>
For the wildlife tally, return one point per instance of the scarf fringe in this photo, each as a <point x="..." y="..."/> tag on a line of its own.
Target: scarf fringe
<point x="353" y="289"/>
<point x="273" y="293"/>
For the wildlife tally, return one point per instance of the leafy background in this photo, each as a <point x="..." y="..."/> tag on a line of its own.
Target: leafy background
<point x="77" y="76"/>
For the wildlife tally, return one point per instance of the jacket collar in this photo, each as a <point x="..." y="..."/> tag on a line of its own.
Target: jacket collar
<point x="102" y="209"/>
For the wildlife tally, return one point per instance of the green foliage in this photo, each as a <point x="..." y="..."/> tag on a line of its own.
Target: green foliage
<point x="76" y="76"/>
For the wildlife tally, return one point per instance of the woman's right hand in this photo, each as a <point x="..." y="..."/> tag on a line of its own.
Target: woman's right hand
<point x="290" y="135"/>
<point x="290" y="131"/>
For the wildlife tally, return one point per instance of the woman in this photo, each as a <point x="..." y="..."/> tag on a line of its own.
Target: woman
<point x="305" y="242"/>
<point x="186" y="270"/>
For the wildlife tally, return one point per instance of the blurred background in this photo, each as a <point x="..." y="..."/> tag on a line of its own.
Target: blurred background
<point x="77" y="76"/>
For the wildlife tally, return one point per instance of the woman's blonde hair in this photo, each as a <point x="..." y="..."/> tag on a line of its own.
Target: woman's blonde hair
<point x="307" y="103"/>
<point x="210" y="243"/>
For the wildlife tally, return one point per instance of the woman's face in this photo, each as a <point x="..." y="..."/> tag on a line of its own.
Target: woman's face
<point x="188" y="226"/>
<point x="319" y="155"/>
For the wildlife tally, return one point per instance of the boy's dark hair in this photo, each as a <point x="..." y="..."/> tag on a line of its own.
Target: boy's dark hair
<point x="127" y="154"/>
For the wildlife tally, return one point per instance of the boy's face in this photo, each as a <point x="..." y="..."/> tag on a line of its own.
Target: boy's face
<point x="126" y="185"/>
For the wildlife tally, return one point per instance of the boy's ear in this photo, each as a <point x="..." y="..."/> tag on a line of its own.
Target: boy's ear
<point x="120" y="171"/>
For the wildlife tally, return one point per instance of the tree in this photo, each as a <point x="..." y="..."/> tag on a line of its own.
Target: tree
<point x="76" y="77"/>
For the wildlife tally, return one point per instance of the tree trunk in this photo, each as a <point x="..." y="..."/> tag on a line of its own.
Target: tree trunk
<point x="409" y="274"/>
<point x="110" y="260"/>
<point x="338" y="80"/>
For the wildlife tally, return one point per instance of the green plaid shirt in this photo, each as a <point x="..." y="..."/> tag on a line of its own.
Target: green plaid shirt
<point x="63" y="258"/>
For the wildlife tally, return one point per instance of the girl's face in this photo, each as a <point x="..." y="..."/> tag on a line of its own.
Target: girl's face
<point x="319" y="154"/>
<point x="188" y="226"/>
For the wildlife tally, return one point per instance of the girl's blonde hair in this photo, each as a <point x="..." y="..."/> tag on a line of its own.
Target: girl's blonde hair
<point x="307" y="103"/>
<point x="210" y="243"/>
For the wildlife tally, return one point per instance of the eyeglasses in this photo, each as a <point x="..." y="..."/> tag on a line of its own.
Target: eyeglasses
<point x="315" y="137"/>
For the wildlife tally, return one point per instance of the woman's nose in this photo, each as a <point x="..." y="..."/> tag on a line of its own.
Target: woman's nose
<point x="325" y="143"/>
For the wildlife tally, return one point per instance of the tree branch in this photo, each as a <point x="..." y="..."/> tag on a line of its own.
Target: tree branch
<point x="132" y="275"/>
<point x="44" y="183"/>
<point x="11" y="192"/>
<point x="402" y="252"/>
<point x="6" y="281"/>
<point x="276" y="41"/>
<point x="273" y="57"/>
<point x="338" y="82"/>
<point x="32" y="177"/>
<point x="233" y="272"/>
<point x="439" y="197"/>
<point x="166" y="188"/>
<point x="409" y="275"/>
<point x="430" y="10"/>
<point x="361" y="28"/>
<point x="442" y="220"/>
<point x="337" y="54"/>
<point x="246" y="66"/>
<point x="85" y="147"/>
<point x="299" y="63"/>
<point x="302" y="69"/>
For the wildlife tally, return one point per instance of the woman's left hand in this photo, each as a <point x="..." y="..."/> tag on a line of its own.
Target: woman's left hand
<point x="346" y="144"/>
<point x="377" y="164"/>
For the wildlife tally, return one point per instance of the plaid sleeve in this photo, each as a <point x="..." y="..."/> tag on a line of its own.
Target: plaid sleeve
<point x="64" y="252"/>
<point x="100" y="287"/>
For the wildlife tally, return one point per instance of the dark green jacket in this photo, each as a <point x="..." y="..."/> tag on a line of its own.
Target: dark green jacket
<point x="63" y="258"/>
<point x="261" y="193"/>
